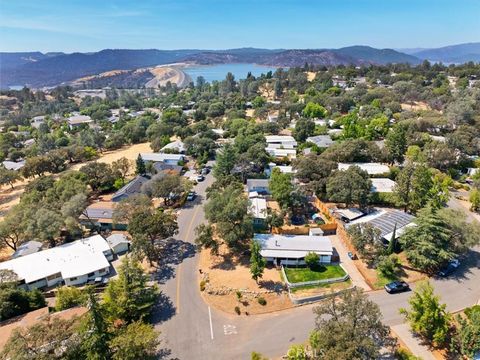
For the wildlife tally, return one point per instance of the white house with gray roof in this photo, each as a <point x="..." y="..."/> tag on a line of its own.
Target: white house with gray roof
<point x="77" y="120"/>
<point x="292" y="249"/>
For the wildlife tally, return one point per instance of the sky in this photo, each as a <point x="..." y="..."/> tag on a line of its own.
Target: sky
<point x="92" y="25"/>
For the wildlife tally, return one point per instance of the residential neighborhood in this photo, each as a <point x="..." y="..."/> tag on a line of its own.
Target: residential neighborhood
<point x="170" y="191"/>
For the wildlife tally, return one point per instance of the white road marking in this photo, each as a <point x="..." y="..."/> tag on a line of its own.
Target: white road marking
<point x="229" y="329"/>
<point x="211" y="325"/>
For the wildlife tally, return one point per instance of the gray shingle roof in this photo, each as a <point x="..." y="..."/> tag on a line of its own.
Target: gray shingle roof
<point x="96" y="213"/>
<point x="133" y="187"/>
<point x="321" y="141"/>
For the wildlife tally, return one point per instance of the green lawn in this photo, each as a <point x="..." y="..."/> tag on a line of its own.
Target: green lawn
<point x="320" y="272"/>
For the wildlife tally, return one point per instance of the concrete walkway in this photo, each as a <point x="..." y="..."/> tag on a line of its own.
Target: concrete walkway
<point x="412" y="342"/>
<point x="355" y="276"/>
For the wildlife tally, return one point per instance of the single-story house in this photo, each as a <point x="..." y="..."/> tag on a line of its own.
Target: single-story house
<point x="285" y="169"/>
<point x="37" y="121"/>
<point x="470" y="171"/>
<point x="71" y="264"/>
<point x="322" y="141"/>
<point x="272" y="117"/>
<point x="101" y="215"/>
<point x="27" y="248"/>
<point x="370" y="168"/>
<point x="177" y="146"/>
<point x="133" y="187"/>
<point x="437" y="138"/>
<point x="12" y="165"/>
<point x="281" y="141"/>
<point x="28" y="142"/>
<point x="161" y="157"/>
<point x="77" y="120"/>
<point x="258" y="185"/>
<point x="219" y="132"/>
<point x="282" y="153"/>
<point x="382" y="185"/>
<point x="335" y="132"/>
<point x="386" y="220"/>
<point x="118" y="243"/>
<point x="292" y="249"/>
<point x="258" y="210"/>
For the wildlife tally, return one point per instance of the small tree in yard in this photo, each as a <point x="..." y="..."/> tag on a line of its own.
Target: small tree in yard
<point x="68" y="297"/>
<point x="389" y="265"/>
<point x="257" y="262"/>
<point x="427" y="317"/>
<point x="475" y="199"/>
<point x="312" y="259"/>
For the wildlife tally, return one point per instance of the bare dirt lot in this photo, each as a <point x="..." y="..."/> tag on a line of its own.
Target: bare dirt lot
<point x="226" y="275"/>
<point x="130" y="152"/>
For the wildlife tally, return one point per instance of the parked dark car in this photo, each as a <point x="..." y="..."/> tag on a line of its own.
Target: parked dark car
<point x="397" y="287"/>
<point x="205" y="171"/>
<point x="191" y="196"/>
<point x="450" y="268"/>
<point x="200" y="178"/>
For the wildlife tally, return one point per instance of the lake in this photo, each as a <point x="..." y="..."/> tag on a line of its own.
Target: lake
<point x="218" y="72"/>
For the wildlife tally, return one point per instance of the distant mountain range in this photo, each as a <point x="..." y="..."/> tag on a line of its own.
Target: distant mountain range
<point x="454" y="54"/>
<point x="36" y="69"/>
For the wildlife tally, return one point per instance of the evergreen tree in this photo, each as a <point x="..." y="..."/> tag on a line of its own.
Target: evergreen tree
<point x="429" y="244"/>
<point x="95" y="331"/>
<point x="128" y="297"/>
<point x="140" y="166"/>
<point x="257" y="262"/>
<point x="392" y="245"/>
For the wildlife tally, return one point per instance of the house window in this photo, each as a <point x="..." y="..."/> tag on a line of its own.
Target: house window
<point x="54" y="276"/>
<point x="73" y="278"/>
<point x="91" y="274"/>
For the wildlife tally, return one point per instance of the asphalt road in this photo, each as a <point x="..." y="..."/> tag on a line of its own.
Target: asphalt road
<point x="192" y="330"/>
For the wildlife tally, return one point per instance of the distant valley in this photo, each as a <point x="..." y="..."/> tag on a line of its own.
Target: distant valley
<point x="132" y="68"/>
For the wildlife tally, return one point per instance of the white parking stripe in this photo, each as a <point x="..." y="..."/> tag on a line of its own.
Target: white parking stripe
<point x="211" y="325"/>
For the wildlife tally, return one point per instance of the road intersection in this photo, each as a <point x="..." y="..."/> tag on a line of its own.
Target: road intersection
<point x="192" y="330"/>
